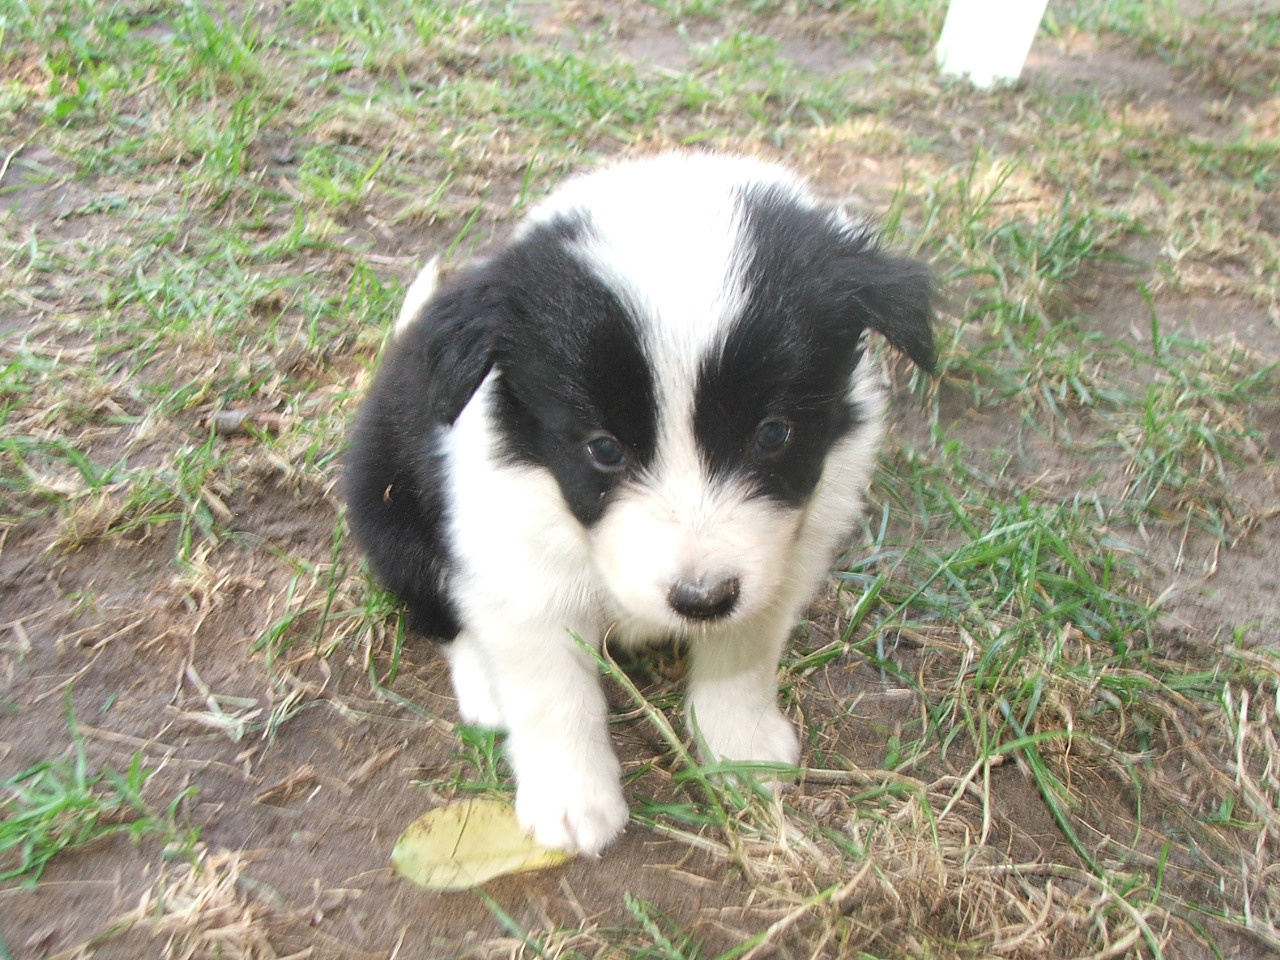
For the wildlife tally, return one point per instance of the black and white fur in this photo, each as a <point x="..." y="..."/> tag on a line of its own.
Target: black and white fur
<point x="651" y="413"/>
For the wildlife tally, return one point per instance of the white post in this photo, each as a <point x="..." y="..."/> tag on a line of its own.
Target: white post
<point x="988" y="40"/>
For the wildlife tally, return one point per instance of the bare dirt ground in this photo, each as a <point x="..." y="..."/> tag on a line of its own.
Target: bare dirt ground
<point x="299" y="772"/>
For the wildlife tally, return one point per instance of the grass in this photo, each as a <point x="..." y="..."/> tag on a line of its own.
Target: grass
<point x="1032" y="727"/>
<point x="56" y="806"/>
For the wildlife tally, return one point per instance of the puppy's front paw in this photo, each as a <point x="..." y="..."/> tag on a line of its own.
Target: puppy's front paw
<point x="476" y="705"/>
<point x="767" y="737"/>
<point x="572" y="810"/>
<point x="472" y="685"/>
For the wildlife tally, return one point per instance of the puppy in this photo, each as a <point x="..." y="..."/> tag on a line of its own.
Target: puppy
<point x="651" y="413"/>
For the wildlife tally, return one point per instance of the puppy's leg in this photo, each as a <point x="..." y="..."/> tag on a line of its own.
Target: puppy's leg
<point x="731" y="702"/>
<point x="472" y="682"/>
<point x="568" y="780"/>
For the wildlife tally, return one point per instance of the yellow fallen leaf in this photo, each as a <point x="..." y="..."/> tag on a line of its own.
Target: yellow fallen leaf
<point x="462" y="845"/>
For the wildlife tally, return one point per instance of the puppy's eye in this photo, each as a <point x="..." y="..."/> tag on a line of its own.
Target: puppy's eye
<point x="607" y="452"/>
<point x="772" y="437"/>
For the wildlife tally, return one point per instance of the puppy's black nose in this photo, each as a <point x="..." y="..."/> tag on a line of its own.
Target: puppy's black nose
<point x="704" y="599"/>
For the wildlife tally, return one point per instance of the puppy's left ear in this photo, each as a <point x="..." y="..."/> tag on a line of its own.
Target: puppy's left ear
<point x="894" y="296"/>
<point x="443" y="346"/>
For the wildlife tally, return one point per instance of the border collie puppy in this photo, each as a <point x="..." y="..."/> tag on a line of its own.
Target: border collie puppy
<point x="652" y="414"/>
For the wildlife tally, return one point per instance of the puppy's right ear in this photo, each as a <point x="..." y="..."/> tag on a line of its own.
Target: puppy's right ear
<point x="444" y="339"/>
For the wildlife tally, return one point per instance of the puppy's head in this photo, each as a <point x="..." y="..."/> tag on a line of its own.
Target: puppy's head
<point x="681" y="342"/>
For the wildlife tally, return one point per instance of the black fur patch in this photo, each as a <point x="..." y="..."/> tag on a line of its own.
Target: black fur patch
<point x="395" y="474"/>
<point x="571" y="367"/>
<point x="395" y="505"/>
<point x="813" y="286"/>
<point x="569" y="363"/>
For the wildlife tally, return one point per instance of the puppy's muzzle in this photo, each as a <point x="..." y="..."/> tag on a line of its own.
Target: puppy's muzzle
<point x="705" y="598"/>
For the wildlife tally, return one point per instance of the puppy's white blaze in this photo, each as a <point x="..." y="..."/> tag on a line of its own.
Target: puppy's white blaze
<point x="685" y="284"/>
<point x="419" y="293"/>
<point x="682" y="287"/>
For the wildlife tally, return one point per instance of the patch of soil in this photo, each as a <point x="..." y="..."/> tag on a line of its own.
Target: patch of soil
<point x="316" y="807"/>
